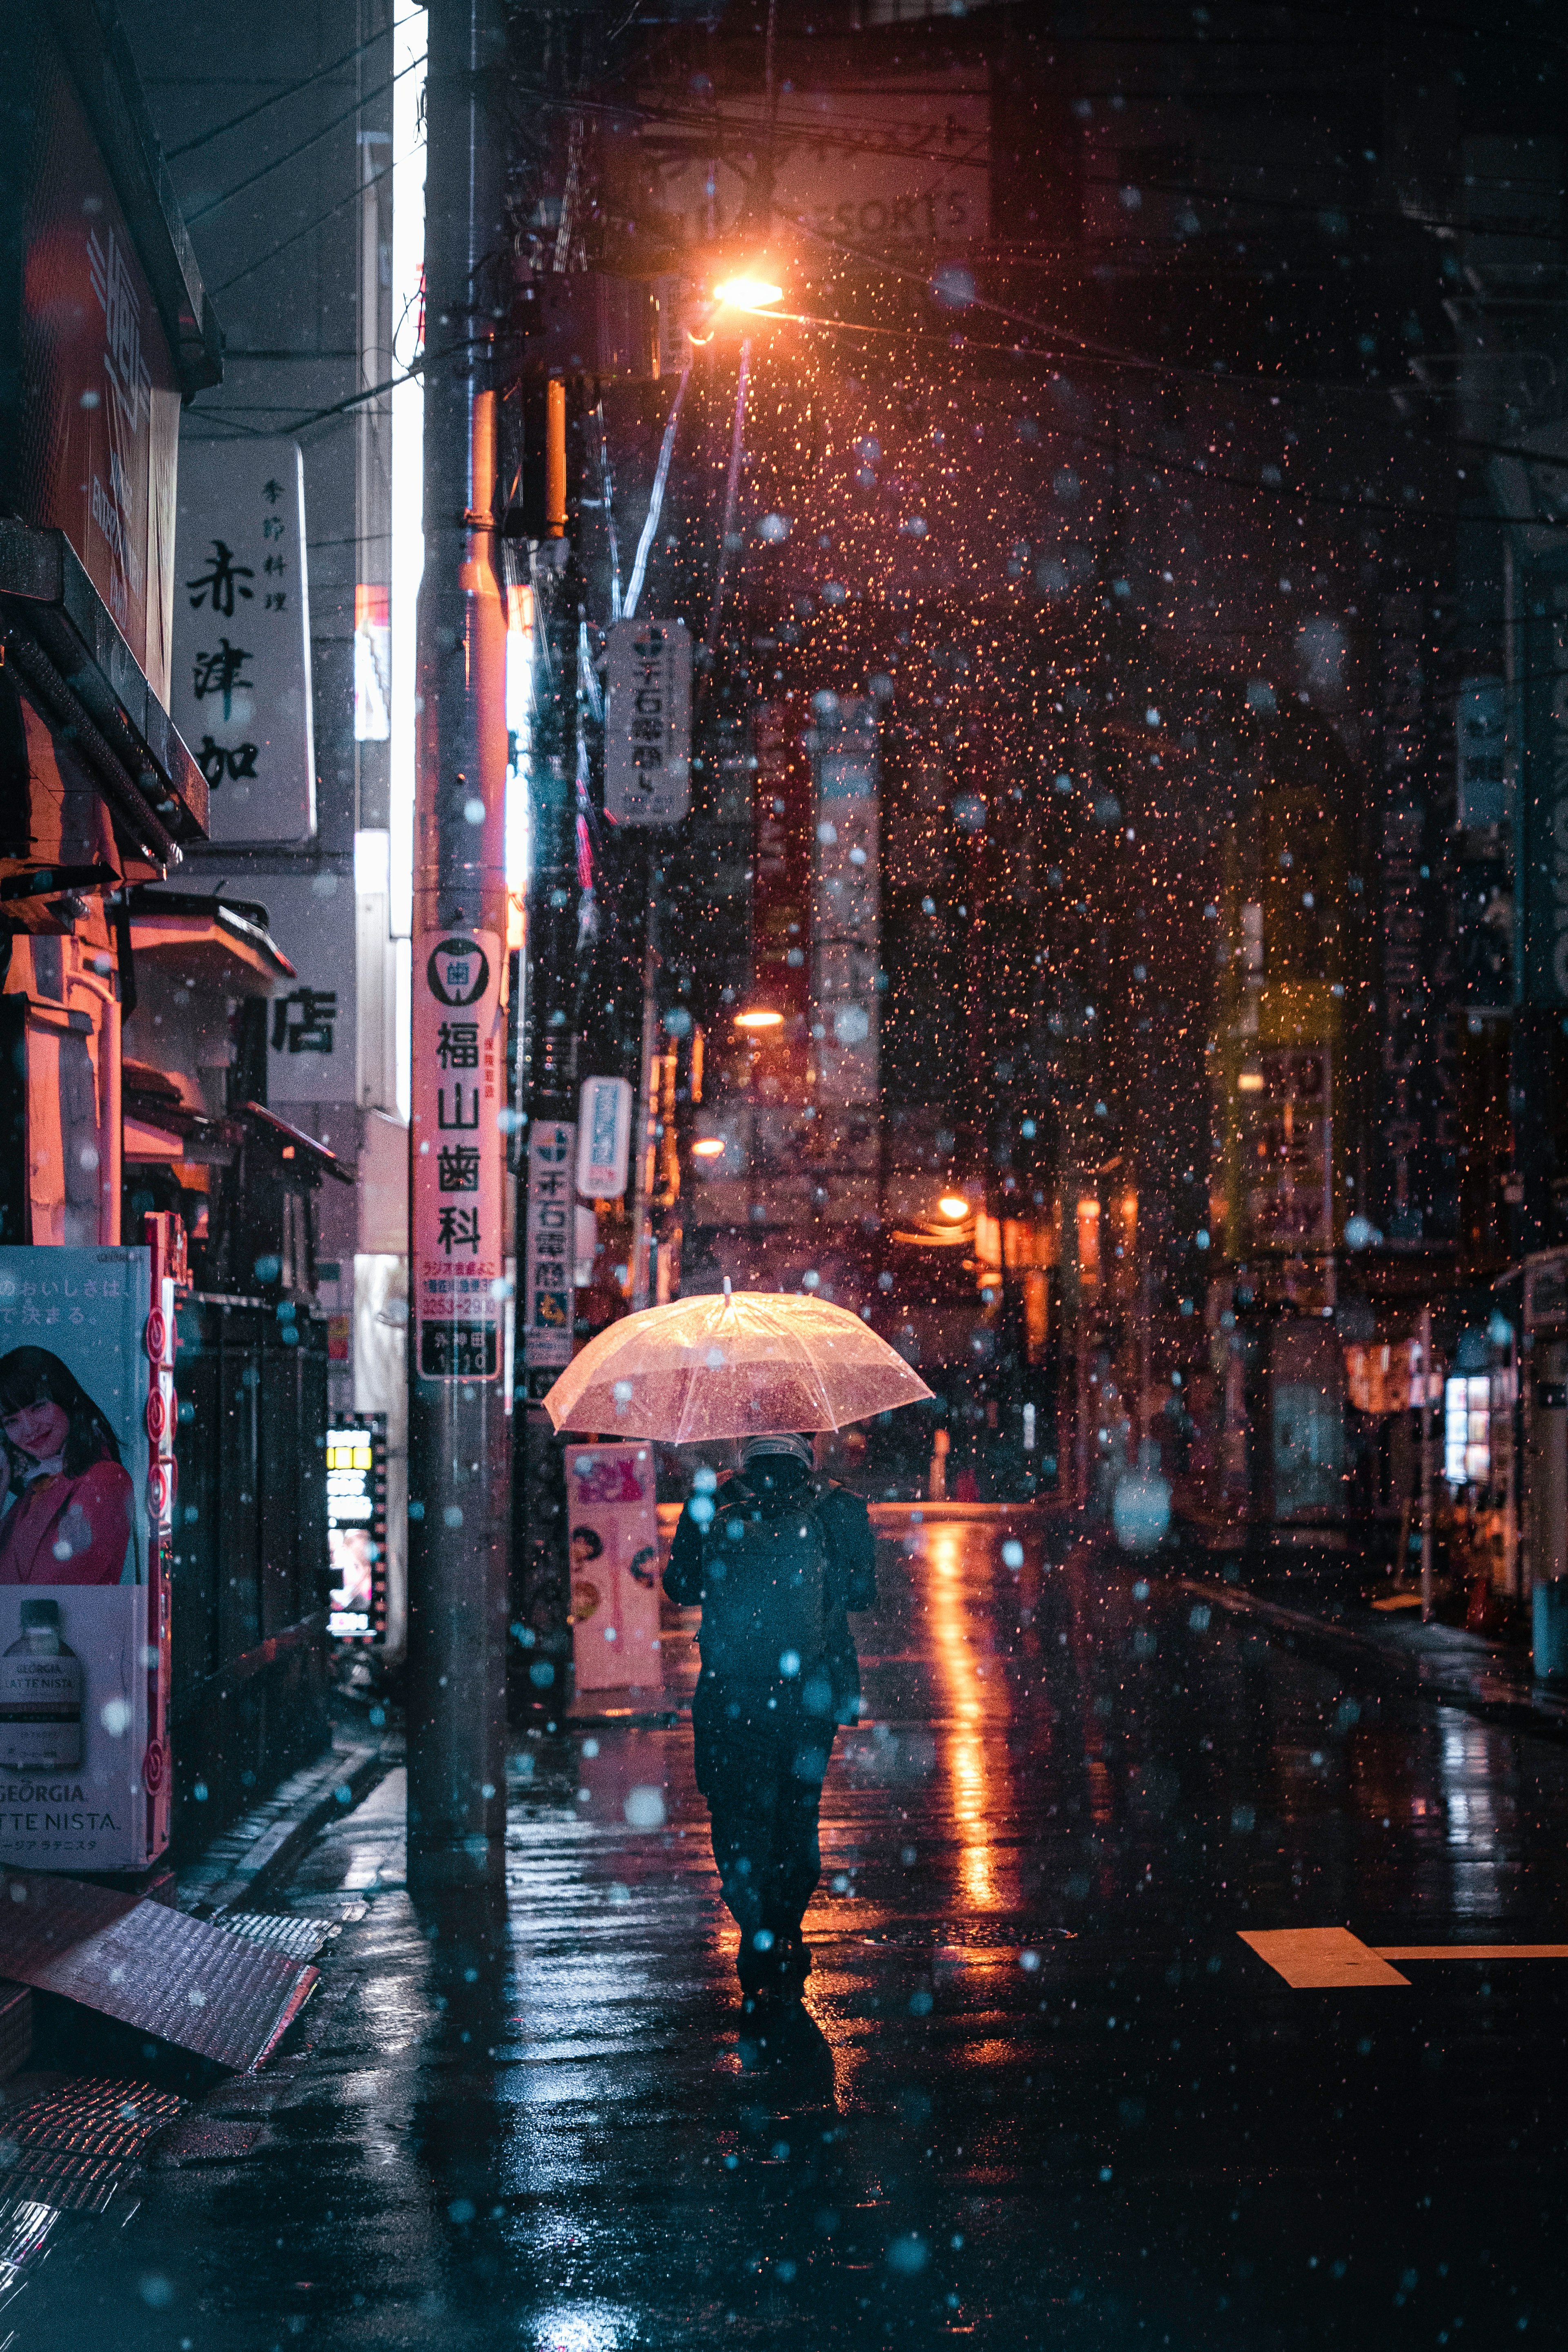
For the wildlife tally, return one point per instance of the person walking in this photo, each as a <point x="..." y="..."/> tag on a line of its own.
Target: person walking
<point x="776" y="1567"/>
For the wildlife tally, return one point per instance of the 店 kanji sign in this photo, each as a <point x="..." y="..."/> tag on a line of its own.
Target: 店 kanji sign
<point x="459" y="1079"/>
<point x="648" y="725"/>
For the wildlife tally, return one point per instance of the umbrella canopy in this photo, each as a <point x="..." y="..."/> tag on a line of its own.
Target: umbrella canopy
<point x="756" y="1363"/>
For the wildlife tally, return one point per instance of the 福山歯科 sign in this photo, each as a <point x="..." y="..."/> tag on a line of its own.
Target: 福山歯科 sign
<point x="457" y="1164"/>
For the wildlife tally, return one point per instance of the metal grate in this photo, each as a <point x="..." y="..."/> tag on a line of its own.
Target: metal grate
<point x="72" y="2148"/>
<point x="223" y="1996"/>
<point x="301" y="1938"/>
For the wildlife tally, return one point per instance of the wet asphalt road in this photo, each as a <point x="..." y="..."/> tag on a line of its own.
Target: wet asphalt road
<point x="1040" y="2093"/>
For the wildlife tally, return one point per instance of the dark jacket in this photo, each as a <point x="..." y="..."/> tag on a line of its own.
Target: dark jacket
<point x="773" y="1485"/>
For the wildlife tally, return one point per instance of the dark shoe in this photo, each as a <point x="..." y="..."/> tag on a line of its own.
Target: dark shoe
<point x="757" y="1970"/>
<point x="793" y="1956"/>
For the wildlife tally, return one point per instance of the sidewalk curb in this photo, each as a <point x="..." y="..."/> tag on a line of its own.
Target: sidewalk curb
<point x="1546" y="1714"/>
<point x="238" y="1868"/>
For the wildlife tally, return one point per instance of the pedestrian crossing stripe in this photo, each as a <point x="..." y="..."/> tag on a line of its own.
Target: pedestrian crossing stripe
<point x="1331" y="1959"/>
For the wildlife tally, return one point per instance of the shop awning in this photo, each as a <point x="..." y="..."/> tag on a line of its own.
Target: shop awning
<point x="62" y="642"/>
<point x="217" y="944"/>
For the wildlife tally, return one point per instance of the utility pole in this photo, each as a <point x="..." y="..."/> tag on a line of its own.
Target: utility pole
<point x="546" y="1205"/>
<point x="1426" y="1347"/>
<point x="459" y="1432"/>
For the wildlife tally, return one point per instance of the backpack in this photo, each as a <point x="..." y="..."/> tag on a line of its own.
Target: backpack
<point x="765" y="1592"/>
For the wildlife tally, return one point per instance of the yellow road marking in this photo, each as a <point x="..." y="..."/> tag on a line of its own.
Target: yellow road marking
<point x="1473" y="1952"/>
<point x="1311" y="1957"/>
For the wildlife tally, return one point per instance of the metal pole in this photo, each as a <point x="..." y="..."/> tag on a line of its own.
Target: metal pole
<point x="644" y="1136"/>
<point x="1426" y="1344"/>
<point x="548" y="1194"/>
<point x="459" y="1432"/>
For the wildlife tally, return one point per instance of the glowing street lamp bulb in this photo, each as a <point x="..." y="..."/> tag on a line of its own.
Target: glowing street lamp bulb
<point x="747" y="293"/>
<point x="953" y="1207"/>
<point x="759" y="1019"/>
<point x="708" y="1146"/>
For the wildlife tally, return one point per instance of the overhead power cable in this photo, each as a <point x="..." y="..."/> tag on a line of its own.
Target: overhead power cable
<point x="264" y="170"/>
<point x="294" y="236"/>
<point x="655" y="500"/>
<point x="292" y="89"/>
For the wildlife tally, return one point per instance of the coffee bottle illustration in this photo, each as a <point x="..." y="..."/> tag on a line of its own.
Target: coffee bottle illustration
<point x="40" y="1696"/>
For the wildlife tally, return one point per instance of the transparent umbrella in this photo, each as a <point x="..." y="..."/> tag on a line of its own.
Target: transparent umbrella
<point x="739" y="1365"/>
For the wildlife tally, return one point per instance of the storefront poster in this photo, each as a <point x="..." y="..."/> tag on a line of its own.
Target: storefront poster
<point x="614" y="1537"/>
<point x="83" y="1630"/>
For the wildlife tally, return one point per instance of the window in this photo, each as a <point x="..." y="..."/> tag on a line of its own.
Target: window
<point x="1467" y="1433"/>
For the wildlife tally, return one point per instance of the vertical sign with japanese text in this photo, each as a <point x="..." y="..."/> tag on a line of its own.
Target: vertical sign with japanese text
<point x="549" y="1246"/>
<point x="241" y="686"/>
<point x="459" y="1063"/>
<point x="648" y="724"/>
<point x="97" y="454"/>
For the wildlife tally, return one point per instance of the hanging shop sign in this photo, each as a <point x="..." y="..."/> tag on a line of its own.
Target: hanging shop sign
<point x="241" y="682"/>
<point x="310" y="1035"/>
<point x="87" y="1350"/>
<point x="549" y="1244"/>
<point x="648" y="723"/>
<point x="846" y="909"/>
<point x="904" y="163"/>
<point x="614" y="1537"/>
<point x="457" y="1159"/>
<point x="603" y="1137"/>
<point x="357" y="1526"/>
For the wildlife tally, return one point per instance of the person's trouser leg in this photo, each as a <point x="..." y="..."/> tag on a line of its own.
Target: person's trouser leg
<point x="735" y="1771"/>
<point x="795" y="1856"/>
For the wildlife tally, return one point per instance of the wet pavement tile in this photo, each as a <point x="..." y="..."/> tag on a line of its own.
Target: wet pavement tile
<point x="1041" y="2091"/>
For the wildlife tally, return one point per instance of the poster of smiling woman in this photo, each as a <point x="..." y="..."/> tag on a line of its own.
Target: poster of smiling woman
<point x="83" y="1628"/>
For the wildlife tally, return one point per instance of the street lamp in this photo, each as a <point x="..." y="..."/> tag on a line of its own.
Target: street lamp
<point x="745" y="293"/>
<point x="954" y="1207"/>
<point x="759" y="1018"/>
<point x="708" y="1146"/>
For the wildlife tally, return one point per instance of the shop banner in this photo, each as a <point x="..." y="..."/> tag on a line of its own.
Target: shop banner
<point x="458" y="1162"/>
<point x="604" y="1138"/>
<point x="241" y="688"/>
<point x="615" y="1535"/>
<point x="550" y="1245"/>
<point x="648" y="724"/>
<point x="86" y="1379"/>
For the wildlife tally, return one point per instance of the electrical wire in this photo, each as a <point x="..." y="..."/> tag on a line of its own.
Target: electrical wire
<point x="264" y="170"/>
<point x="310" y="225"/>
<point x="205" y="138"/>
<point x="655" y="500"/>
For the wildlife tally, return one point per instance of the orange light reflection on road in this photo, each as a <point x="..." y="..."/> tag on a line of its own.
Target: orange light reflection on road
<point x="965" y="1753"/>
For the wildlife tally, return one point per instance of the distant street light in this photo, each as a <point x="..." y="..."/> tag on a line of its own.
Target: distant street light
<point x="954" y="1207"/>
<point x="759" y="1018"/>
<point x="747" y="293"/>
<point x="708" y="1146"/>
